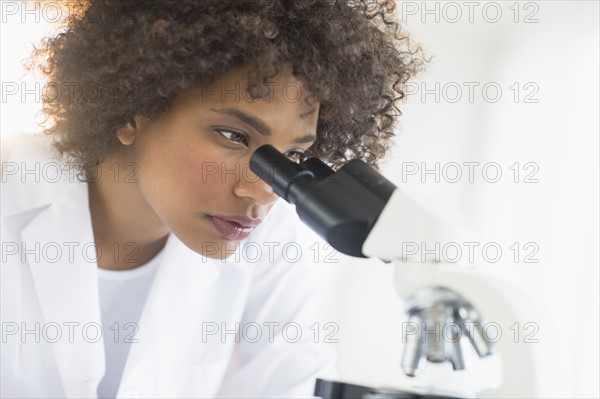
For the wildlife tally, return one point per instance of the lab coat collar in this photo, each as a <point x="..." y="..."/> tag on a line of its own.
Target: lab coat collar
<point x="67" y="286"/>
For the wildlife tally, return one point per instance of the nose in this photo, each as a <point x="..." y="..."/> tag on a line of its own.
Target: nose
<point x="253" y="187"/>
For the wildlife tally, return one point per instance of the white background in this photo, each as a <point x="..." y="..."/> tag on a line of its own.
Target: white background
<point x="556" y="53"/>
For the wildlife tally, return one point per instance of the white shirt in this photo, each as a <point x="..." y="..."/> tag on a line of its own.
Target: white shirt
<point x="122" y="297"/>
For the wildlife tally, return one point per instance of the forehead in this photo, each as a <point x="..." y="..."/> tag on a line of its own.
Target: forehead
<point x="284" y="99"/>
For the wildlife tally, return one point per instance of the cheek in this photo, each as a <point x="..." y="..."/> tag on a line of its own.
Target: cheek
<point x="205" y="183"/>
<point x="200" y="187"/>
<point x="196" y="180"/>
<point x="177" y="179"/>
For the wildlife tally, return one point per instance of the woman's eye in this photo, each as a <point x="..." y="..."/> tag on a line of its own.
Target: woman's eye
<point x="242" y="138"/>
<point x="234" y="136"/>
<point x="296" y="156"/>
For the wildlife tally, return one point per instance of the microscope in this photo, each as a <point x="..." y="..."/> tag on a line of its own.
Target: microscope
<point x="362" y="214"/>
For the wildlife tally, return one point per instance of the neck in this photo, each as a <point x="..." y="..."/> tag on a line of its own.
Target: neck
<point x="127" y="231"/>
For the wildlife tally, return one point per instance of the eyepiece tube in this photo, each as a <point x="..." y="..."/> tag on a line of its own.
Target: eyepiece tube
<point x="276" y="170"/>
<point x="340" y="206"/>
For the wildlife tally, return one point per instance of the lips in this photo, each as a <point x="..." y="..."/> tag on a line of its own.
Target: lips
<point x="234" y="228"/>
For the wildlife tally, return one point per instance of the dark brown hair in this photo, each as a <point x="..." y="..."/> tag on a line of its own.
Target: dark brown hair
<point x="124" y="58"/>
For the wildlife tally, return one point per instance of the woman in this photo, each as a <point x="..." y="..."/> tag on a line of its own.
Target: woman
<point x="136" y="279"/>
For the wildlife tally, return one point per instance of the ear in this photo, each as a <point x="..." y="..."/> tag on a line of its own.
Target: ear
<point x="128" y="133"/>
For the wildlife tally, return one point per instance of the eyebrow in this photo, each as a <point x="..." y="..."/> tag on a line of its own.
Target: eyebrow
<point x="259" y="125"/>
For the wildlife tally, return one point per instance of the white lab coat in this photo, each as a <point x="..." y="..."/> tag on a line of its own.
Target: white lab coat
<point x="50" y="306"/>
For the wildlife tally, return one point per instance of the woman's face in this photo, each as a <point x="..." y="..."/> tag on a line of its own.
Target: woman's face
<point x="193" y="161"/>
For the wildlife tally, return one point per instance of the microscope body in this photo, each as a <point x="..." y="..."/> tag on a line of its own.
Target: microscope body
<point x="360" y="213"/>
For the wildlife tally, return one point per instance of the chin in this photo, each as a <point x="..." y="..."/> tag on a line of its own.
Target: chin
<point x="213" y="249"/>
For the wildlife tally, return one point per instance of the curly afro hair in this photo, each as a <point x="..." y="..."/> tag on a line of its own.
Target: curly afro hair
<point x="134" y="57"/>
